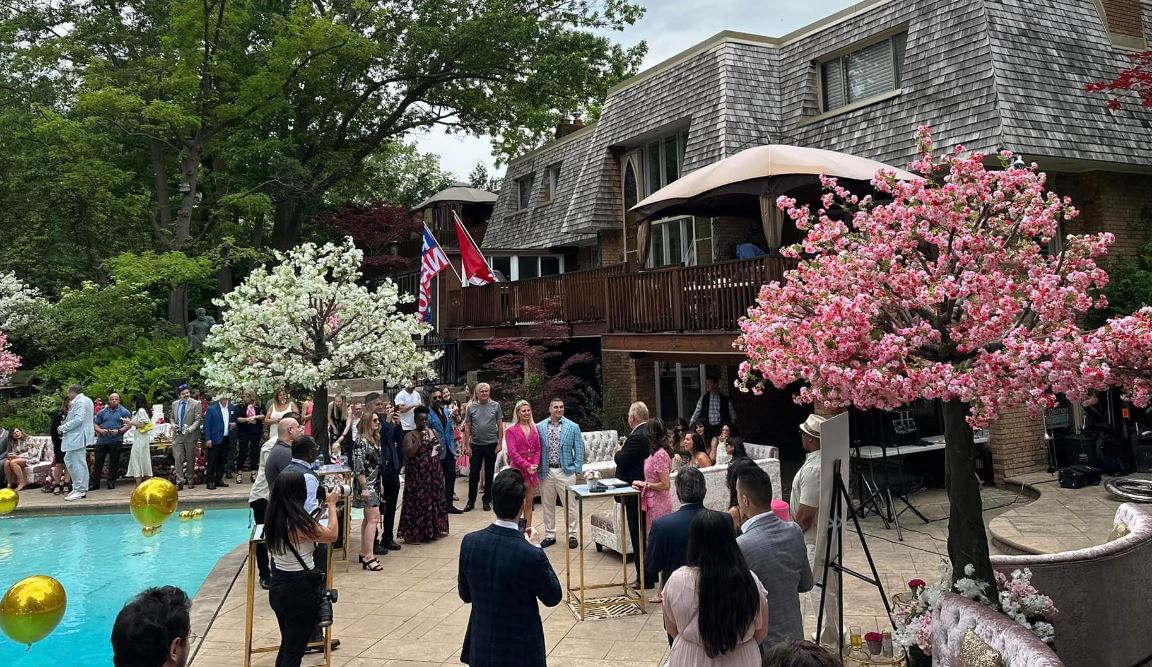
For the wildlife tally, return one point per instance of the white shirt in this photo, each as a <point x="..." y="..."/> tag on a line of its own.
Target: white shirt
<point x="806" y="491"/>
<point x="408" y="419"/>
<point x="226" y="412"/>
<point x="506" y="524"/>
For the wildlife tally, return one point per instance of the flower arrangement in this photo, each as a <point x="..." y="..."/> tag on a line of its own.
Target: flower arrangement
<point x="1018" y="598"/>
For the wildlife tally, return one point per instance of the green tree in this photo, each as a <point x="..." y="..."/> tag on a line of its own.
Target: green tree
<point x="479" y="178"/>
<point x="396" y="173"/>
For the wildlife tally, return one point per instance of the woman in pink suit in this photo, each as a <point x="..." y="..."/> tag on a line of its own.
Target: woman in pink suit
<point x="523" y="442"/>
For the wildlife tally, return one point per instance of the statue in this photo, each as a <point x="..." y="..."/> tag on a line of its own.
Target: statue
<point x="198" y="329"/>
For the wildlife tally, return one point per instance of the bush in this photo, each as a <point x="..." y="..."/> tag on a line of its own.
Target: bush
<point x="33" y="414"/>
<point x="148" y="367"/>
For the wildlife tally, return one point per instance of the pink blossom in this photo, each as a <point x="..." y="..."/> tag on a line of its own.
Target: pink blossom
<point x="944" y="291"/>
<point x="9" y="362"/>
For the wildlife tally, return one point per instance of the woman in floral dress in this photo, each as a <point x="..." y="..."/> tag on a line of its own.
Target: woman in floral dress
<point x="365" y="460"/>
<point x="656" y="489"/>
<point x="423" y="516"/>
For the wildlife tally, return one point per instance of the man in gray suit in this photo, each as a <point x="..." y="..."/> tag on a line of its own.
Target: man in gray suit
<point x="185" y="417"/>
<point x="775" y="552"/>
<point x="78" y="431"/>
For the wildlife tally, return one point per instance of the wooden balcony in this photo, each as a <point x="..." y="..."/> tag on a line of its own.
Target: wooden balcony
<point x="617" y="299"/>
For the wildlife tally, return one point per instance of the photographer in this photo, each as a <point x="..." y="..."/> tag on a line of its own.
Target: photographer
<point x="298" y="581"/>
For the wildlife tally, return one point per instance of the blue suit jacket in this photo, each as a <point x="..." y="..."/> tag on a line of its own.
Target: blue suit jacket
<point x="215" y="430"/>
<point x="502" y="576"/>
<point x="571" y="447"/>
<point x="391" y="454"/>
<point x="668" y="540"/>
<point x="444" y="431"/>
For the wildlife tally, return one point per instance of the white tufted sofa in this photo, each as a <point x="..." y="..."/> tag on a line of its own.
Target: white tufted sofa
<point x="607" y="525"/>
<point x="1017" y="646"/>
<point x="600" y="452"/>
<point x="36" y="474"/>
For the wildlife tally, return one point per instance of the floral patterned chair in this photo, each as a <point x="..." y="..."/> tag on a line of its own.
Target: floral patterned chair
<point x="37" y="473"/>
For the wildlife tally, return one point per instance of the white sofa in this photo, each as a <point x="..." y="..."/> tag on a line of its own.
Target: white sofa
<point x="37" y="473"/>
<point x="599" y="453"/>
<point x="607" y="525"/>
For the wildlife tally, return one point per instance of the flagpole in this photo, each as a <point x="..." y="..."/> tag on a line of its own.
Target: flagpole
<point x="445" y="254"/>
<point x="474" y="243"/>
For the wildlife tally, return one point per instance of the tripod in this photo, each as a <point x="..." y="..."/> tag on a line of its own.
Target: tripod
<point x="835" y="530"/>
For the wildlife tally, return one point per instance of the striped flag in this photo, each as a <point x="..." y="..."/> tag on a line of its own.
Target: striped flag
<point x="432" y="261"/>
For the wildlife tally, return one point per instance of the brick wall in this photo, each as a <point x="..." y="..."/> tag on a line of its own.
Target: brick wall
<point x="1123" y="17"/>
<point x="626" y="381"/>
<point x="1017" y="444"/>
<point x="612" y="247"/>
<point x="1111" y="202"/>
<point x="727" y="233"/>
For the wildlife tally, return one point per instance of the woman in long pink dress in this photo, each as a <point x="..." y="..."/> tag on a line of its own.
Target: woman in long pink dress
<point x="523" y="441"/>
<point x="656" y="489"/>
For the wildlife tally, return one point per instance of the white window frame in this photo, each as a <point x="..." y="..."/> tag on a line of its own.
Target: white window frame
<point x="514" y="271"/>
<point x="841" y="59"/>
<point x="703" y="370"/>
<point x="646" y="167"/>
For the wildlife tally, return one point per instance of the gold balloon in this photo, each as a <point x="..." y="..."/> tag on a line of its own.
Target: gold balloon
<point x="198" y="513"/>
<point x="32" y="609"/>
<point x="185" y="515"/>
<point x="9" y="499"/>
<point x="154" y="501"/>
<point x="150" y="531"/>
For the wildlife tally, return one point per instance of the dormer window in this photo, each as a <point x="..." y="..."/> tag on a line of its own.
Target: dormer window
<point x="866" y="72"/>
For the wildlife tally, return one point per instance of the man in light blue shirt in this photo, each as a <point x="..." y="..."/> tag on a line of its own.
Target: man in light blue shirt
<point x="110" y="426"/>
<point x="304" y="451"/>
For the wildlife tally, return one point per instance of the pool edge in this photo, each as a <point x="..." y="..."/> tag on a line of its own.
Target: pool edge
<point x="213" y="592"/>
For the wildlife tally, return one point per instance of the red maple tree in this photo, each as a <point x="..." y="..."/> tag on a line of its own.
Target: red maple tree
<point x="1137" y="78"/>
<point x="374" y="228"/>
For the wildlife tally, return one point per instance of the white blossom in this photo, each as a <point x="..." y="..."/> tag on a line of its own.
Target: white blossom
<point x="20" y="304"/>
<point x="306" y="322"/>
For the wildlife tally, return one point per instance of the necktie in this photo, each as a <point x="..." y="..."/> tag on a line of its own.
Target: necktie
<point x="183" y="409"/>
<point x="251" y="410"/>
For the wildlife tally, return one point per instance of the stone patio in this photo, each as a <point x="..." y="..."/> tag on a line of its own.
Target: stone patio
<point x="411" y="614"/>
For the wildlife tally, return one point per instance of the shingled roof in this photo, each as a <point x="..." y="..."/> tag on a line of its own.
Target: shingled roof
<point x="984" y="73"/>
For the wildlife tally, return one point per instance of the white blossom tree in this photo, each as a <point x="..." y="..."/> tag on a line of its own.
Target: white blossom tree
<point x="20" y="306"/>
<point x="306" y="322"/>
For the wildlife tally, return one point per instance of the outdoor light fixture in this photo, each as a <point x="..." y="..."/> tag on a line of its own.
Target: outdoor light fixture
<point x="1018" y="162"/>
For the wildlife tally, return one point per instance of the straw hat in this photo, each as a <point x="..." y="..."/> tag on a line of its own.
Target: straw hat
<point x="811" y="426"/>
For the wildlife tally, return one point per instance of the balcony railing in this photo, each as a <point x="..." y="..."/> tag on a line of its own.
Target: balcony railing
<point x="712" y="297"/>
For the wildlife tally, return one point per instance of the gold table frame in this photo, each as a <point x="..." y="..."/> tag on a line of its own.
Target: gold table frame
<point x="577" y="596"/>
<point x="250" y="603"/>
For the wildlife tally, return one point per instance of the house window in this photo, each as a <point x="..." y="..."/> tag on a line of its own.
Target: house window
<point x="523" y="192"/>
<point x="866" y="72"/>
<point x="526" y="267"/>
<point x="551" y="181"/>
<point x="662" y="161"/>
<point x="685" y="240"/>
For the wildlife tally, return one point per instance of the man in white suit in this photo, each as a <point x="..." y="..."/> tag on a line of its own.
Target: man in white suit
<point x="78" y="432"/>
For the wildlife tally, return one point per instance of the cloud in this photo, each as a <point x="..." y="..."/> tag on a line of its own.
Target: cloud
<point x="669" y="27"/>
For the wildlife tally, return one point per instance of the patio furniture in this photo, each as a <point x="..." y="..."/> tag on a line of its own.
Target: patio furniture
<point x="1101" y="592"/>
<point x="1016" y="644"/>
<point x="37" y="473"/>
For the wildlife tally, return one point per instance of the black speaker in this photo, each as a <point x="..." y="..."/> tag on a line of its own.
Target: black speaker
<point x="1143" y="453"/>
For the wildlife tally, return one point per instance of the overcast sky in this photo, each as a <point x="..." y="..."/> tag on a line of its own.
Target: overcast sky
<point x="669" y="27"/>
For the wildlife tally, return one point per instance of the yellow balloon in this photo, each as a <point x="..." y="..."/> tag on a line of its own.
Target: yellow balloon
<point x="32" y="609"/>
<point x="154" y="501"/>
<point x="185" y="515"/>
<point x="150" y="531"/>
<point x="9" y="499"/>
<point x="198" y="513"/>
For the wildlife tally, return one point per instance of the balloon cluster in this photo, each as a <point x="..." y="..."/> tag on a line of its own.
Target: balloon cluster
<point x="153" y="501"/>
<point x="197" y="514"/>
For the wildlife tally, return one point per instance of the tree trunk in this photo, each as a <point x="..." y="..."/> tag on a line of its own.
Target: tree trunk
<point x="320" y="421"/>
<point x="178" y="307"/>
<point x="287" y="224"/>
<point x="967" y="538"/>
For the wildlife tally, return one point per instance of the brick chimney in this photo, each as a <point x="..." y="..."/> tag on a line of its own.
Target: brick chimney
<point x="1124" y="21"/>
<point x="568" y="125"/>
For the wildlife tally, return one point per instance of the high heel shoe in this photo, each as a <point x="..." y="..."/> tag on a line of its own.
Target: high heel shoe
<point x="372" y="564"/>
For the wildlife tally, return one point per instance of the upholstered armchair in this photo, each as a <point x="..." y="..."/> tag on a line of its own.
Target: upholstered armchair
<point x="1016" y="644"/>
<point x="37" y="473"/>
<point x="1102" y="593"/>
<point x="600" y="452"/>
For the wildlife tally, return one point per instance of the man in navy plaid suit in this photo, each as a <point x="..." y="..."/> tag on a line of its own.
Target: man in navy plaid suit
<point x="501" y="576"/>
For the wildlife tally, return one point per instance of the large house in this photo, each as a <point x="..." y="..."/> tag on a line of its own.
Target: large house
<point x="989" y="74"/>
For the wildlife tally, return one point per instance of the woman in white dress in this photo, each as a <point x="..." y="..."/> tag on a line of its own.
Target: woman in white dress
<point x="280" y="405"/>
<point x="140" y="436"/>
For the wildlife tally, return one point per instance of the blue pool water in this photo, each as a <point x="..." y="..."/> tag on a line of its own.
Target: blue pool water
<point x="102" y="560"/>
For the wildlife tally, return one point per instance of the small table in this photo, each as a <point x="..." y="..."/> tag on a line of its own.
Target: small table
<point x="340" y="469"/>
<point x="629" y="603"/>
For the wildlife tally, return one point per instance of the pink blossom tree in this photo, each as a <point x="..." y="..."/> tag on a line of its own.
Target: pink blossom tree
<point x="1120" y="353"/>
<point x="9" y="361"/>
<point x="947" y="289"/>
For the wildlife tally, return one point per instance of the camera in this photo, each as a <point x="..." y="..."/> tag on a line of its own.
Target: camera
<point x="326" y="596"/>
<point x="322" y="491"/>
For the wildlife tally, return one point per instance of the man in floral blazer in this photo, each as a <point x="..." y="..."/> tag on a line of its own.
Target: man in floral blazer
<point x="561" y="459"/>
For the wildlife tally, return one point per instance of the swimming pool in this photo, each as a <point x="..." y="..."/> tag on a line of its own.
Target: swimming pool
<point x="102" y="560"/>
